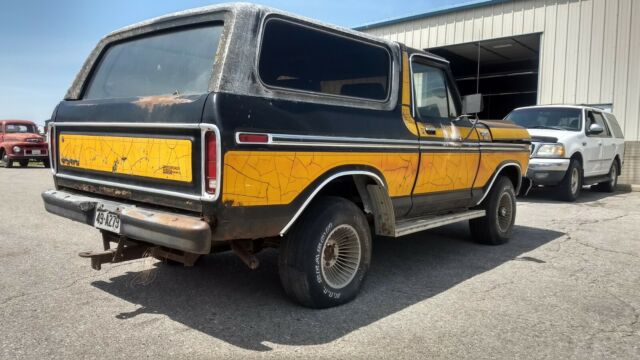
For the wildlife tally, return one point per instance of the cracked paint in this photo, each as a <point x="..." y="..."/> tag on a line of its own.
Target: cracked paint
<point x="167" y="159"/>
<point x="253" y="178"/>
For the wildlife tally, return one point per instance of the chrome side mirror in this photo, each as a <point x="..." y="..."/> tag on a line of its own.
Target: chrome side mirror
<point x="472" y="104"/>
<point x="595" y="129"/>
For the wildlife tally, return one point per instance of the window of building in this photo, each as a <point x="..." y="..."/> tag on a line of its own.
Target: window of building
<point x="298" y="57"/>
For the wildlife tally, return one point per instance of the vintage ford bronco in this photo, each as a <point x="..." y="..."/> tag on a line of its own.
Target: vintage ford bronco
<point x="239" y="127"/>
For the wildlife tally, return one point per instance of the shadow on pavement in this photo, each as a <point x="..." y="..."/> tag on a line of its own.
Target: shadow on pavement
<point x="222" y="298"/>
<point x="548" y="195"/>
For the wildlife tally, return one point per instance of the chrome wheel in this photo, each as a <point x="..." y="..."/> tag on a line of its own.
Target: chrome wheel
<point x="505" y="212"/>
<point x="575" y="180"/>
<point x="340" y="257"/>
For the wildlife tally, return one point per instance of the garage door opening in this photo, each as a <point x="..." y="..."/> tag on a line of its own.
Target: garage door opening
<point x="504" y="70"/>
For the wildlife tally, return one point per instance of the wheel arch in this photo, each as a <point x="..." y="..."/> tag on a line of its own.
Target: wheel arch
<point x="359" y="178"/>
<point x="512" y="170"/>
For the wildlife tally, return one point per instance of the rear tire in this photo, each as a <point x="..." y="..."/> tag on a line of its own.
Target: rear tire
<point x="610" y="185"/>
<point x="325" y="256"/>
<point x="496" y="226"/>
<point x="571" y="184"/>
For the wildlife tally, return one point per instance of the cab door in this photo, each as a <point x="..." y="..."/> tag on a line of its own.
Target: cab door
<point x="449" y="153"/>
<point x="608" y="152"/>
<point x="593" y="146"/>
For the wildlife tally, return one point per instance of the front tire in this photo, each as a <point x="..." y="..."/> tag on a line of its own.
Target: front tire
<point x="24" y="163"/>
<point x="46" y="163"/>
<point x="610" y="186"/>
<point x="496" y="226"/>
<point x="6" y="162"/>
<point x="571" y="184"/>
<point x="325" y="256"/>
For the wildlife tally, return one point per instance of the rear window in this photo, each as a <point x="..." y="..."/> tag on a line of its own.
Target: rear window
<point x="547" y="118"/>
<point x="301" y="58"/>
<point x="613" y="124"/>
<point x="171" y="63"/>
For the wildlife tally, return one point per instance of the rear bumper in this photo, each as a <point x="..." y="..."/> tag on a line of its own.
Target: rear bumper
<point x="174" y="231"/>
<point x="547" y="171"/>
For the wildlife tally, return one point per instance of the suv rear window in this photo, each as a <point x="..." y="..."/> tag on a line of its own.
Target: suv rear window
<point x="170" y="63"/>
<point x="301" y="58"/>
<point x="547" y="118"/>
<point x="613" y="124"/>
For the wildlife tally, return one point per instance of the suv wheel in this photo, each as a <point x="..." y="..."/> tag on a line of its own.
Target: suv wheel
<point x="325" y="256"/>
<point x="496" y="227"/>
<point x="610" y="185"/>
<point x="571" y="184"/>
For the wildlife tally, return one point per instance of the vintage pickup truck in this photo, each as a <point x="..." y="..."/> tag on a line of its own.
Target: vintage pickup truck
<point x="20" y="143"/>
<point x="239" y="127"/>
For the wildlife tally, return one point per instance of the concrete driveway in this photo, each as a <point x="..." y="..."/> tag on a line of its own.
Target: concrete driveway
<point x="566" y="286"/>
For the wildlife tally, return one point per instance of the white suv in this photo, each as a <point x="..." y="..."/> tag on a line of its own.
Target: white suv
<point x="572" y="146"/>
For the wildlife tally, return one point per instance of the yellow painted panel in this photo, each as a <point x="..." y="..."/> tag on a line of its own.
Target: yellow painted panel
<point x="253" y="178"/>
<point x="441" y="171"/>
<point x="167" y="159"/>
<point x="489" y="163"/>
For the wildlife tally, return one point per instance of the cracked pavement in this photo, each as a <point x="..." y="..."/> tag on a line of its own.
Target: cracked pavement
<point x="566" y="286"/>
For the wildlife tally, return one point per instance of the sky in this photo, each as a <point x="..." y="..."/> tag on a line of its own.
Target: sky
<point x="44" y="43"/>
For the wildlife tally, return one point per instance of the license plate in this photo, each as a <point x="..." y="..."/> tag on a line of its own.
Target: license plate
<point x="107" y="220"/>
<point x="36" y="152"/>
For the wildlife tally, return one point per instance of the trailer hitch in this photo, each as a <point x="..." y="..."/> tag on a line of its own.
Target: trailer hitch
<point x="124" y="251"/>
<point x="127" y="249"/>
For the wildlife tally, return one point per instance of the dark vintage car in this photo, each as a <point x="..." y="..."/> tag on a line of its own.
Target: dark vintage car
<point x="240" y="127"/>
<point x="20" y="142"/>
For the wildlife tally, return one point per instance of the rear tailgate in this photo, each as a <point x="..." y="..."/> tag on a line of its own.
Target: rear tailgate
<point x="103" y="147"/>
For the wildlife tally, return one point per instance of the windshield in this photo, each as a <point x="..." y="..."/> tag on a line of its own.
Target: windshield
<point x="174" y="63"/>
<point x="547" y="118"/>
<point x="20" y="128"/>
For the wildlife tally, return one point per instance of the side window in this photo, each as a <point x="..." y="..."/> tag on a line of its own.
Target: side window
<point x="594" y="117"/>
<point x="432" y="97"/>
<point x="298" y="57"/>
<point x="614" y="126"/>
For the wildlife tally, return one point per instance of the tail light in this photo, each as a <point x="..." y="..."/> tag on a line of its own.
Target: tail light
<point x="51" y="139"/>
<point x="211" y="163"/>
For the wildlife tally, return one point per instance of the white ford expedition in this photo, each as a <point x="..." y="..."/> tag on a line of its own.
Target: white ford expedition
<point x="572" y="146"/>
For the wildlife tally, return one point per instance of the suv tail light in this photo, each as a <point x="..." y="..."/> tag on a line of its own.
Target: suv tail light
<point x="211" y="164"/>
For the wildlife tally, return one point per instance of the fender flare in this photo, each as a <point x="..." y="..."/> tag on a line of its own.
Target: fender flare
<point x="497" y="173"/>
<point x="378" y="179"/>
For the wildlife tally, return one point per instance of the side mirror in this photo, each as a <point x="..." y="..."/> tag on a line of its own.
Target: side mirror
<point x="595" y="129"/>
<point x="472" y="104"/>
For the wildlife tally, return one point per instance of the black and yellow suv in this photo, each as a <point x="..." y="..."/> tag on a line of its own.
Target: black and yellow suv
<point x="239" y="127"/>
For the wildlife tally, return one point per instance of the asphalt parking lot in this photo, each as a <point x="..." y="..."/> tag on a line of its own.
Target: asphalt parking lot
<point x="566" y="286"/>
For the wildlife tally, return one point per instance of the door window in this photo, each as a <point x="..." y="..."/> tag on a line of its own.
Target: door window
<point x="596" y="118"/>
<point x="433" y="100"/>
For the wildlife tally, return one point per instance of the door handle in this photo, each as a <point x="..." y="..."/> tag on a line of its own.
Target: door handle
<point x="430" y="129"/>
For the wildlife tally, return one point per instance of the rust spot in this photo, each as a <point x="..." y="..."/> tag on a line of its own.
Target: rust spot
<point x="149" y="102"/>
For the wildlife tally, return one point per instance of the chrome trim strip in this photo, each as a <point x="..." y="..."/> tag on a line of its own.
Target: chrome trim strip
<point x="317" y="190"/>
<point x="130" y="187"/>
<point x="495" y="176"/>
<point x="204" y="129"/>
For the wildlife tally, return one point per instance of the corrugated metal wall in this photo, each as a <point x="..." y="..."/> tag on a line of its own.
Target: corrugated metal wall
<point x="590" y="51"/>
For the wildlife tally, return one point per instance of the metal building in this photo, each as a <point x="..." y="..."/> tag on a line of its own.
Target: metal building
<point x="538" y="52"/>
